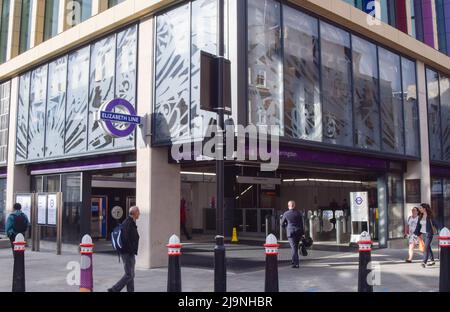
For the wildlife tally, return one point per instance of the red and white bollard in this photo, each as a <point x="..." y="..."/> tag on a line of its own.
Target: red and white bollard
<point x="365" y="250"/>
<point x="86" y="266"/>
<point x="18" y="284"/>
<point x="271" y="248"/>
<point x="444" y="274"/>
<point x="174" y="271"/>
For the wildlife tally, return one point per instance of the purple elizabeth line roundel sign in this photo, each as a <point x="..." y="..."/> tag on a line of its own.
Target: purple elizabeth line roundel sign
<point x="109" y="119"/>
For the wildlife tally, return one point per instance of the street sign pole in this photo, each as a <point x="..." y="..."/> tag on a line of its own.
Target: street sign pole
<point x="219" y="251"/>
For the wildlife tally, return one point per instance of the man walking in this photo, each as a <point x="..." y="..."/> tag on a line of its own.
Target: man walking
<point x="292" y="220"/>
<point x="130" y="243"/>
<point x="16" y="223"/>
<point x="183" y="218"/>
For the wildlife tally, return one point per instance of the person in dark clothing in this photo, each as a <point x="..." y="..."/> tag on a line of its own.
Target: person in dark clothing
<point x="183" y="219"/>
<point x="425" y="226"/>
<point x="16" y="223"/>
<point x="130" y="241"/>
<point x="292" y="220"/>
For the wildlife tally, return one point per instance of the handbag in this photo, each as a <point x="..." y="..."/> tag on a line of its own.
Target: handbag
<point x="421" y="245"/>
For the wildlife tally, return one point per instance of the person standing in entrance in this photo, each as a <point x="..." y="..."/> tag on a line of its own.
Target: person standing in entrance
<point x="130" y="244"/>
<point x="292" y="220"/>
<point x="425" y="227"/>
<point x="16" y="223"/>
<point x="183" y="218"/>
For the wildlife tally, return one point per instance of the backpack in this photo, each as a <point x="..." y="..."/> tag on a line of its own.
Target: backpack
<point x="117" y="239"/>
<point x="20" y="224"/>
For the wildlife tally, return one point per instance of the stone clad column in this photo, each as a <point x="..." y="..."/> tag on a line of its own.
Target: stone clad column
<point x="158" y="183"/>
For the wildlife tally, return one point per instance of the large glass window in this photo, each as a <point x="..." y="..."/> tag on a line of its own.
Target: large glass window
<point x="444" y="84"/>
<point x="417" y="19"/>
<point x="441" y="27"/>
<point x="303" y="115"/>
<point x="172" y="75"/>
<point x="336" y="85"/>
<point x="101" y="89"/>
<point x="57" y="112"/>
<point x="410" y="106"/>
<point x="391" y="102"/>
<point x="72" y="198"/>
<point x="395" y="206"/>
<point x="51" y="18"/>
<point x="434" y="118"/>
<point x="112" y="3"/>
<point x="25" y="25"/>
<point x="4" y="26"/>
<point x="56" y="102"/>
<point x="3" y="212"/>
<point x="365" y="94"/>
<point x="77" y="102"/>
<point x="4" y="120"/>
<point x="265" y="63"/>
<point x="36" y="124"/>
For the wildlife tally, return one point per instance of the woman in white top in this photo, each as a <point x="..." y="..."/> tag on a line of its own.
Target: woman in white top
<point x="410" y="228"/>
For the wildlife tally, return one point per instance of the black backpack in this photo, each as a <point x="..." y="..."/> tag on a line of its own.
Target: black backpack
<point x="20" y="224"/>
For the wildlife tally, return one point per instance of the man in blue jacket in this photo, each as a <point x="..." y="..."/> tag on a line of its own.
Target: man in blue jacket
<point x="16" y="223"/>
<point x="293" y="222"/>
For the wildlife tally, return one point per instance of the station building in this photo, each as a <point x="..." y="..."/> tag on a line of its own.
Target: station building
<point x="361" y="94"/>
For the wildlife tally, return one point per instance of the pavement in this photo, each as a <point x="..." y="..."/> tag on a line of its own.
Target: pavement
<point x="323" y="270"/>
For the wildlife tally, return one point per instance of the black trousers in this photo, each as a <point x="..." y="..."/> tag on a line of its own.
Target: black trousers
<point x="294" y="242"/>
<point x="129" y="263"/>
<point x="185" y="231"/>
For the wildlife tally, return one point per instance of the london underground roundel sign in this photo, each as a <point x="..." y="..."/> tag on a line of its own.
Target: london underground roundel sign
<point x="117" y="124"/>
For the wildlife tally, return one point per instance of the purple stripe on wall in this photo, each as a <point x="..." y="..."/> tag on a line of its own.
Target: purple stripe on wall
<point x="447" y="23"/>
<point x="436" y="171"/>
<point x="428" y="30"/>
<point x="3" y="170"/>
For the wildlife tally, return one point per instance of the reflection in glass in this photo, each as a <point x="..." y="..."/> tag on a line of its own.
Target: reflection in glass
<point x="36" y="125"/>
<point x="25" y="25"/>
<point x="4" y="120"/>
<point x="126" y="74"/>
<point x="172" y="75"/>
<point x="203" y="37"/>
<point x="265" y="63"/>
<point x="434" y="120"/>
<point x="445" y="115"/>
<point x="56" y="102"/>
<point x="391" y="102"/>
<point x="336" y="85"/>
<point x="395" y="206"/>
<point x="51" y="18"/>
<point x="71" y="189"/>
<point x="303" y="116"/>
<point x="22" y="117"/>
<point x="77" y="101"/>
<point x="410" y="106"/>
<point x="366" y="100"/>
<point x="101" y="89"/>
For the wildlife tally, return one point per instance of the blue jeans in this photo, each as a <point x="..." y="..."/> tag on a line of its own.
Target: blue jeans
<point x="294" y="242"/>
<point x="428" y="254"/>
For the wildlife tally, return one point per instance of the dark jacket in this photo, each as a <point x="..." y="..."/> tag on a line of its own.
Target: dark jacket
<point x="429" y="229"/>
<point x="292" y="220"/>
<point x="130" y="237"/>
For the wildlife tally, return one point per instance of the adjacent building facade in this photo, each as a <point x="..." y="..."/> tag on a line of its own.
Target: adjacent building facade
<point x="362" y="101"/>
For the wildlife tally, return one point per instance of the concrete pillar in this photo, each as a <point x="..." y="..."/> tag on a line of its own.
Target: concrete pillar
<point x="157" y="182"/>
<point x="98" y="6"/>
<point x="37" y="22"/>
<point x="17" y="179"/>
<point x="13" y="29"/>
<point x="435" y="26"/>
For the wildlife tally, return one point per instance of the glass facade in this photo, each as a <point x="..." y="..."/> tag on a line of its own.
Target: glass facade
<point x="440" y="200"/>
<point x="112" y="3"/>
<point x="438" y="94"/>
<point x="57" y="101"/>
<point x="5" y="90"/>
<point x="81" y="11"/>
<point x="51" y="18"/>
<point x="181" y="34"/>
<point x="3" y="212"/>
<point x="329" y="85"/>
<point x="4" y="26"/>
<point x="396" y="218"/>
<point x="25" y="25"/>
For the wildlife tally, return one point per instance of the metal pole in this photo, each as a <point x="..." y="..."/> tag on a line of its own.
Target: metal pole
<point x="59" y="224"/>
<point x="219" y="252"/>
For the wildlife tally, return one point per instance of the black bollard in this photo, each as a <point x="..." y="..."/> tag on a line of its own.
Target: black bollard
<point x="444" y="274"/>
<point x="18" y="284"/>
<point x="365" y="249"/>
<point x="174" y="271"/>
<point x="220" y="271"/>
<point x="271" y="246"/>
